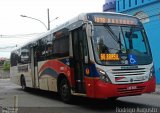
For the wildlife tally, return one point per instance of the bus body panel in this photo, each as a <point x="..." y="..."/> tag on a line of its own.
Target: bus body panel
<point x="49" y="71"/>
<point x="14" y="76"/>
<point x="97" y="89"/>
<point x="21" y="70"/>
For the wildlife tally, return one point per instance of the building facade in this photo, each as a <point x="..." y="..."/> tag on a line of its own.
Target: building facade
<point x="149" y="13"/>
<point x="109" y="6"/>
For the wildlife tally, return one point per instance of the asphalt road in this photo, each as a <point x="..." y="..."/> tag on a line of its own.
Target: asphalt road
<point x="37" y="101"/>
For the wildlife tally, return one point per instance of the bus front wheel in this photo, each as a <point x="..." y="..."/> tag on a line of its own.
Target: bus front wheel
<point x="65" y="91"/>
<point x="112" y="99"/>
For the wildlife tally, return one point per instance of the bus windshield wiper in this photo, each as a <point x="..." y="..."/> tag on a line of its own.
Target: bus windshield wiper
<point x="114" y="36"/>
<point x="130" y="38"/>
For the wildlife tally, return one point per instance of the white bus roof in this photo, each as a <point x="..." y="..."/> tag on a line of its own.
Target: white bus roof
<point x="82" y="16"/>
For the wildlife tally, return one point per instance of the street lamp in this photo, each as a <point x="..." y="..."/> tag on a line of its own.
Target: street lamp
<point x="49" y="22"/>
<point x="54" y="19"/>
<point x="35" y="19"/>
<point x="48" y="28"/>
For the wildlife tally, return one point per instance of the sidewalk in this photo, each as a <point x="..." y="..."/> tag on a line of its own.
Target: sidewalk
<point x="157" y="89"/>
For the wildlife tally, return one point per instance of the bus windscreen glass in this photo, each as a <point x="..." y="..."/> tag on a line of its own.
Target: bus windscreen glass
<point x="121" y="45"/>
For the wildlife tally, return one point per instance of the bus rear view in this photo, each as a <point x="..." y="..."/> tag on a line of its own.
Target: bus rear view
<point x="122" y="57"/>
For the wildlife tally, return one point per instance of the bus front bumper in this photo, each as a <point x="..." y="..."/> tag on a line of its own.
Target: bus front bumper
<point x="96" y="88"/>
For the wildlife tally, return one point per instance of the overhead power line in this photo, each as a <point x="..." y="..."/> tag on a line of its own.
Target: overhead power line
<point x="8" y="47"/>
<point x="20" y="35"/>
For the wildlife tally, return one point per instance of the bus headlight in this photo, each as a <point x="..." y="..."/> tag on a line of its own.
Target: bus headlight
<point x="103" y="76"/>
<point x="152" y="72"/>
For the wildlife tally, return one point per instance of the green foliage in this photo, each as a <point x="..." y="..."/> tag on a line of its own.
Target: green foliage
<point x="6" y="66"/>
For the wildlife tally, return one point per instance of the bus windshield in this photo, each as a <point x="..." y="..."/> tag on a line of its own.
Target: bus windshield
<point x="116" y="45"/>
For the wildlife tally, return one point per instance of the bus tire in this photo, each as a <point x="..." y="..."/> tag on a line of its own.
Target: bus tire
<point x="65" y="91"/>
<point x="112" y="99"/>
<point x="23" y="83"/>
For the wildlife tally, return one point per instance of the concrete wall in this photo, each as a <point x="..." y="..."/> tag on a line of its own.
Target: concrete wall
<point x="110" y="6"/>
<point x="4" y="74"/>
<point x="124" y="5"/>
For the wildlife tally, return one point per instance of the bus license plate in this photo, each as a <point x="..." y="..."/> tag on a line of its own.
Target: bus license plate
<point x="132" y="87"/>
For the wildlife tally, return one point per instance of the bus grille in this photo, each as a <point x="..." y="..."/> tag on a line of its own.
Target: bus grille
<point x="125" y="91"/>
<point x="125" y="73"/>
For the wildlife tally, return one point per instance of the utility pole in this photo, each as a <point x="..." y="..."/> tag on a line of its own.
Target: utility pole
<point x="48" y="19"/>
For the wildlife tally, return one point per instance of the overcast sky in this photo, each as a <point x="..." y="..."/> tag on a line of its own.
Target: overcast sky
<point x="13" y="28"/>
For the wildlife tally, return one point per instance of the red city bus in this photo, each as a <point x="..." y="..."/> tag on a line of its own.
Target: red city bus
<point x="97" y="55"/>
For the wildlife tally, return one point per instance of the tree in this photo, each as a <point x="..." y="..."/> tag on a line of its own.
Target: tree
<point x="6" y="66"/>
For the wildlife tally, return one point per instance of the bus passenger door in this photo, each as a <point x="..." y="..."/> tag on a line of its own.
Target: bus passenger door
<point x="79" y="43"/>
<point x="34" y="68"/>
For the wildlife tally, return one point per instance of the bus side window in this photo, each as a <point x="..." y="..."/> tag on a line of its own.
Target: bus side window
<point x="49" y="46"/>
<point x="61" y="44"/>
<point x="80" y="46"/>
<point x="24" y="55"/>
<point x="41" y="52"/>
<point x="75" y="46"/>
<point x="83" y="39"/>
<point x="14" y="59"/>
<point x="61" y="47"/>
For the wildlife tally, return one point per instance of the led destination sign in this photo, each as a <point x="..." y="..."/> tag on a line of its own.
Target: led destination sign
<point x="108" y="57"/>
<point x="115" y="20"/>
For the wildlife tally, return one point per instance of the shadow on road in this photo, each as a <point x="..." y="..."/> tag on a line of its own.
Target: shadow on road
<point x="89" y="105"/>
<point x="79" y="105"/>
